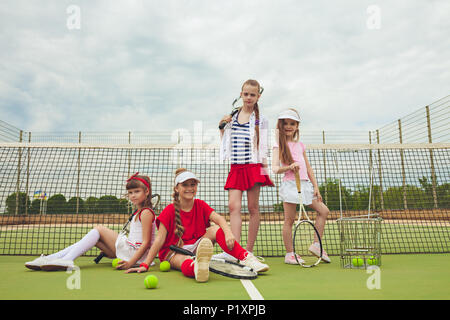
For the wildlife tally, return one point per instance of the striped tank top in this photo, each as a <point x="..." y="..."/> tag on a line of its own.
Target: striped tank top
<point x="240" y="143"/>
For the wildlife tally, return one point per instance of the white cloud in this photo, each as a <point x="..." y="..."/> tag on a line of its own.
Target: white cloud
<point x="170" y="63"/>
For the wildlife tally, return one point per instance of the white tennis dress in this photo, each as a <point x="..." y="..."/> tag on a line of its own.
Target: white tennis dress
<point x="126" y="246"/>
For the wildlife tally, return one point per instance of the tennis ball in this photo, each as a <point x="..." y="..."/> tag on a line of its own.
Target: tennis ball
<point x="357" y="262"/>
<point x="151" y="281"/>
<point x="115" y="262"/>
<point x="372" y="261"/>
<point x="164" y="266"/>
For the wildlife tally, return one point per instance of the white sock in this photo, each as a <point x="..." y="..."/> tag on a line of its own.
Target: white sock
<point x="82" y="246"/>
<point x="60" y="254"/>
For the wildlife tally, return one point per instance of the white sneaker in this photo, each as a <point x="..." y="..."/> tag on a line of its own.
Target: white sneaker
<point x="315" y="250"/>
<point x="290" y="259"/>
<point x="252" y="262"/>
<point x="37" y="263"/>
<point x="203" y="257"/>
<point x="58" y="265"/>
<point x="225" y="256"/>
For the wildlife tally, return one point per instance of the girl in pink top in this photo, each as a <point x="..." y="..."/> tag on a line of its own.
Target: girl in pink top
<point x="289" y="155"/>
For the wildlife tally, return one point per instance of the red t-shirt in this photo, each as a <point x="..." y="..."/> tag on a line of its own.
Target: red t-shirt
<point x="194" y="222"/>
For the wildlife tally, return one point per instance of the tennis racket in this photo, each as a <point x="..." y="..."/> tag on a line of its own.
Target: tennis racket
<point x="235" y="108"/>
<point x="125" y="228"/>
<point x="223" y="267"/>
<point x="305" y="235"/>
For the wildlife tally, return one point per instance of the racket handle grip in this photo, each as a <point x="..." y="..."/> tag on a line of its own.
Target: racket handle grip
<point x="99" y="257"/>
<point x="297" y="181"/>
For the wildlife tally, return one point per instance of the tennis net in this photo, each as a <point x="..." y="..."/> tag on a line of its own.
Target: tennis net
<point x="52" y="194"/>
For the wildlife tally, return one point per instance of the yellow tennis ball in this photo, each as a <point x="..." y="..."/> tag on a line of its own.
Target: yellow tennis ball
<point x="164" y="266"/>
<point x="357" y="262"/>
<point x="115" y="262"/>
<point x="372" y="261"/>
<point x="151" y="281"/>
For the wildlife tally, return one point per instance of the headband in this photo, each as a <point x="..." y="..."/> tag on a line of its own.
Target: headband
<point x="135" y="177"/>
<point x="289" y="114"/>
<point x="186" y="175"/>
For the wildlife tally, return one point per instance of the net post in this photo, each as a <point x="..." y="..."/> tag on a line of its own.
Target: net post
<point x="433" y="173"/>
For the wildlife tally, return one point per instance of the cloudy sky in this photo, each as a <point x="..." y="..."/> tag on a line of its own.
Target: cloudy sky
<point x="159" y="65"/>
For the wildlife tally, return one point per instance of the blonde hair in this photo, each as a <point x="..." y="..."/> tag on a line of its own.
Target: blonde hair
<point x="283" y="148"/>
<point x="254" y="83"/>
<point x="179" y="228"/>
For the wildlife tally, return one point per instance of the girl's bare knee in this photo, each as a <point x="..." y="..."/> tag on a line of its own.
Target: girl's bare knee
<point x="289" y="222"/>
<point x="253" y="209"/>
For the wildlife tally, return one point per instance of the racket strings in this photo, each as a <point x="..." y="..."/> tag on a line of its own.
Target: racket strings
<point x="306" y="243"/>
<point x="230" y="269"/>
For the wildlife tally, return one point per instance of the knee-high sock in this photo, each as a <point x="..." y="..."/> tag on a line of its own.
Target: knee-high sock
<point x="79" y="248"/>
<point x="60" y="254"/>
<point x="238" y="252"/>
<point x="187" y="268"/>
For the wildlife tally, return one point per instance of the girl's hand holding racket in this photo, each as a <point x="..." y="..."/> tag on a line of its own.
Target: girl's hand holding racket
<point x="225" y="120"/>
<point x="294" y="167"/>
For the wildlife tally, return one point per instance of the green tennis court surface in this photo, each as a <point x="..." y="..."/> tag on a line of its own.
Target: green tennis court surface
<point x="424" y="276"/>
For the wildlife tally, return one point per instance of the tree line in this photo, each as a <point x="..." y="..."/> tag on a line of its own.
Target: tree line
<point x="392" y="198"/>
<point x="417" y="197"/>
<point x="57" y="204"/>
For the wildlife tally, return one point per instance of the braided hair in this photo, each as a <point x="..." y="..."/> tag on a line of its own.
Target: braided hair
<point x="179" y="228"/>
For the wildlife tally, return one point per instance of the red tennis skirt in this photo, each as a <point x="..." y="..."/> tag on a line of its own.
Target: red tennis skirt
<point x="244" y="176"/>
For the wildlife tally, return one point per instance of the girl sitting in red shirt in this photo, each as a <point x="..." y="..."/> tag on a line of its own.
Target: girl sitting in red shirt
<point x="186" y="223"/>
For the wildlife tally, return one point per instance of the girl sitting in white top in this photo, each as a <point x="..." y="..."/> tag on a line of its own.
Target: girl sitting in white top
<point x="132" y="249"/>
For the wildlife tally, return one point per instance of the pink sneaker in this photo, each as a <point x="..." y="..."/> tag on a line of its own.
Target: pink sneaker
<point x="290" y="259"/>
<point x="315" y="250"/>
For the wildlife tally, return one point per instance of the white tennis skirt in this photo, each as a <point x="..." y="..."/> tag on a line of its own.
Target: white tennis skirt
<point x="125" y="249"/>
<point x="289" y="193"/>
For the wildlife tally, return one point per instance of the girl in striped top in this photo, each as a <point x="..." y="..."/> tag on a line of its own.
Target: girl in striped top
<point x="244" y="142"/>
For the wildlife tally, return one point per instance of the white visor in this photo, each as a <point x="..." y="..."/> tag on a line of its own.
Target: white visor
<point x="186" y="175"/>
<point x="289" y="114"/>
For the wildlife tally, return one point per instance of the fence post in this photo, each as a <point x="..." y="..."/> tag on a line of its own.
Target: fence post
<point x="325" y="168"/>
<point x="405" y="202"/>
<point x="28" y="175"/>
<point x="379" y="172"/>
<point x="433" y="172"/>
<point x="19" y="163"/>
<point x="78" y="173"/>
<point x="372" y="200"/>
